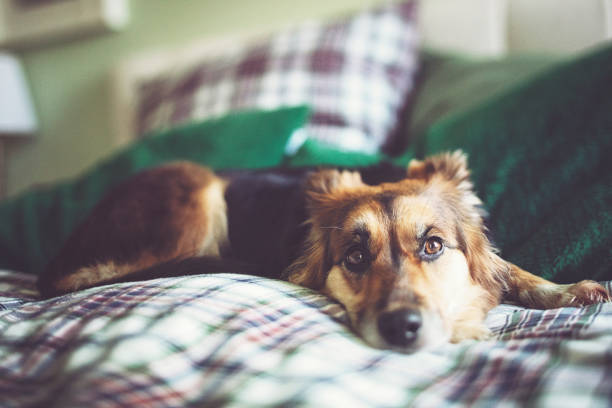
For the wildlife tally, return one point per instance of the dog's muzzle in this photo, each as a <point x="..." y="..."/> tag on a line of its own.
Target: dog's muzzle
<point x="400" y="327"/>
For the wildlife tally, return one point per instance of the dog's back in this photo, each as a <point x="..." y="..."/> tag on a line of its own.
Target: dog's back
<point x="158" y="215"/>
<point x="181" y="210"/>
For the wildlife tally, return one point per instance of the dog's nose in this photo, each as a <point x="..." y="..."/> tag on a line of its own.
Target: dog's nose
<point x="400" y="327"/>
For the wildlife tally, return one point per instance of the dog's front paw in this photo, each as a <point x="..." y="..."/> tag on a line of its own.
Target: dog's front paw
<point x="586" y="292"/>
<point x="553" y="296"/>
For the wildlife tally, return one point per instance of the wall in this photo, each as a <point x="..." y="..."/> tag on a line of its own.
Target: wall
<point x="71" y="85"/>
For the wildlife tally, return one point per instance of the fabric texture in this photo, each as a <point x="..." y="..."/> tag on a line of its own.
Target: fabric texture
<point x="540" y="158"/>
<point x="34" y="225"/>
<point x="236" y="341"/>
<point x="355" y="73"/>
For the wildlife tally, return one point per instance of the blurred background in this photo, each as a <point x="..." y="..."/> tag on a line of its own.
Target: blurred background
<point x="72" y="56"/>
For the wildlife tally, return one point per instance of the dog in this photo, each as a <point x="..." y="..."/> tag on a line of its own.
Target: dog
<point x="404" y="250"/>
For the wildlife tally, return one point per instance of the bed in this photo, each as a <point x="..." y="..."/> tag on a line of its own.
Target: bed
<point x="538" y="133"/>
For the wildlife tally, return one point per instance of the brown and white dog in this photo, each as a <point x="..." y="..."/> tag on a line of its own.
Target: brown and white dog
<point x="405" y="251"/>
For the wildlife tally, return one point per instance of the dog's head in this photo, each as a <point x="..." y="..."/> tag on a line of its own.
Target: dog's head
<point x="409" y="260"/>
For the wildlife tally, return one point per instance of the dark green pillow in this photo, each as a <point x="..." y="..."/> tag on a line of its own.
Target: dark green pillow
<point x="541" y="160"/>
<point x="449" y="84"/>
<point x="34" y="225"/>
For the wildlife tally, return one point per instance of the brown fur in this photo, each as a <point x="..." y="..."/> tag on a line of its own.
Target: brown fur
<point x="178" y="210"/>
<point x="168" y="212"/>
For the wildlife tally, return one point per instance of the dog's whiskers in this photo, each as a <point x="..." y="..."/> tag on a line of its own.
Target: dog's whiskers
<point x="338" y="228"/>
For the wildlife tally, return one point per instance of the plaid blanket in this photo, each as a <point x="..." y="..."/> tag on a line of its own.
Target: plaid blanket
<point x="244" y="341"/>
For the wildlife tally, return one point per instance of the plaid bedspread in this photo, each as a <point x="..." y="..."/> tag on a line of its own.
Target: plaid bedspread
<point x="230" y="340"/>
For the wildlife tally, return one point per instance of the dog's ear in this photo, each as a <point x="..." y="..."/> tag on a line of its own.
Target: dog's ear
<point x="311" y="268"/>
<point x="328" y="185"/>
<point x="326" y="193"/>
<point x="451" y="166"/>
<point x="487" y="268"/>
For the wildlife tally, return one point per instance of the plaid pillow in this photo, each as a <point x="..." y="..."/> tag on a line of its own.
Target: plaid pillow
<point x="355" y="73"/>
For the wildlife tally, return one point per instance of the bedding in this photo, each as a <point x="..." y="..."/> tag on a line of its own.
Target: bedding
<point x="355" y="73"/>
<point x="232" y="340"/>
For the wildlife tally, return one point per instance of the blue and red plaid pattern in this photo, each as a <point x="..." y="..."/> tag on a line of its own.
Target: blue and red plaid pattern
<point x="355" y="74"/>
<point x="237" y="340"/>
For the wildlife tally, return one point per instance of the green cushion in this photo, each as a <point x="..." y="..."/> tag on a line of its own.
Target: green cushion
<point x="34" y="225"/>
<point x="540" y="154"/>
<point x="315" y="153"/>
<point x="451" y="84"/>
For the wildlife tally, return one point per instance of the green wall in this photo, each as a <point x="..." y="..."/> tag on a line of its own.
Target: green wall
<point x="71" y="84"/>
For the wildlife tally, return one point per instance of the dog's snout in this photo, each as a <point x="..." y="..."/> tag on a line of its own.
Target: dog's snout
<point x="400" y="327"/>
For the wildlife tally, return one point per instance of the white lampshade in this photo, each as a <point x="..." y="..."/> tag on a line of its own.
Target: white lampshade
<point x="16" y="110"/>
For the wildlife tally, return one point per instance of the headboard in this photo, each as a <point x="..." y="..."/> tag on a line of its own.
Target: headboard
<point x="487" y="28"/>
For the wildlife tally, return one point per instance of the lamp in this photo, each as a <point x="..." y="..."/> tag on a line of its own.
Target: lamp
<point x="17" y="118"/>
<point x="16" y="112"/>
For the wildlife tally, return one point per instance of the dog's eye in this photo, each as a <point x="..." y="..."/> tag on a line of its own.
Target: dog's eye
<point x="356" y="260"/>
<point x="433" y="247"/>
